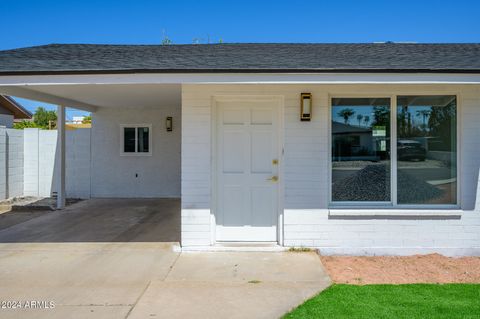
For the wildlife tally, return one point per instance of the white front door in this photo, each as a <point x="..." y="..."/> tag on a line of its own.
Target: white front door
<point x="247" y="171"/>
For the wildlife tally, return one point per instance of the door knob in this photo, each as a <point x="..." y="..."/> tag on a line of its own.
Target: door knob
<point x="273" y="179"/>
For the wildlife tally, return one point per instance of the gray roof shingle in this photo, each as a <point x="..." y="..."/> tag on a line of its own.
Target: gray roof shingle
<point x="244" y="57"/>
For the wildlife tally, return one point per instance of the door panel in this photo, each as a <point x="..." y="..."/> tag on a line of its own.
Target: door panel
<point x="233" y="157"/>
<point x="261" y="155"/>
<point x="247" y="198"/>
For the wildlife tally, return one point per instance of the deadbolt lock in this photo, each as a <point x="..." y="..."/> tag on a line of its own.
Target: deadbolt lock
<point x="275" y="162"/>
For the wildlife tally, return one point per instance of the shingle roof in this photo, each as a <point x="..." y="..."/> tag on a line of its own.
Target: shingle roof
<point x="384" y="57"/>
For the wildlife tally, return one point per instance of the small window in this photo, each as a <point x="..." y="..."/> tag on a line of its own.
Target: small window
<point x="136" y="139"/>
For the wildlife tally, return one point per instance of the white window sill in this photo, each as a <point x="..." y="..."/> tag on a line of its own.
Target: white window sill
<point x="136" y="154"/>
<point x="396" y="212"/>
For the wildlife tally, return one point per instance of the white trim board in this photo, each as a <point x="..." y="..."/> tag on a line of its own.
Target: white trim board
<point x="395" y="212"/>
<point x="243" y="78"/>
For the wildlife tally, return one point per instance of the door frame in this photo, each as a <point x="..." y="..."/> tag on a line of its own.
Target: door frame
<point x="279" y="102"/>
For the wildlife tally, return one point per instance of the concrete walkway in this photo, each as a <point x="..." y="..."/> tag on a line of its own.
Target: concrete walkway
<point x="104" y="259"/>
<point x="233" y="285"/>
<point x="148" y="280"/>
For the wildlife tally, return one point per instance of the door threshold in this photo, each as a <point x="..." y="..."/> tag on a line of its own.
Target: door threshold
<point x="238" y="247"/>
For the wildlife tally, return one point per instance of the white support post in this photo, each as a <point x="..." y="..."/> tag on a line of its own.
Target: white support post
<point x="61" y="156"/>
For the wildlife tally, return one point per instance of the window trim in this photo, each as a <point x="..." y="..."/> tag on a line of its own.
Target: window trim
<point x="367" y="206"/>
<point x="122" y="140"/>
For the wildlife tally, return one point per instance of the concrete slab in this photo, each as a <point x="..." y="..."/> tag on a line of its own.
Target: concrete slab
<point x="243" y="267"/>
<point x="97" y="220"/>
<point x="116" y="259"/>
<point x="233" y="285"/>
<point x="83" y="280"/>
<point x="71" y="312"/>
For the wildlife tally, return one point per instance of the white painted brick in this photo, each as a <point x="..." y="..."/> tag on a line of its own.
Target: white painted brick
<point x="196" y="228"/>
<point x="306" y="175"/>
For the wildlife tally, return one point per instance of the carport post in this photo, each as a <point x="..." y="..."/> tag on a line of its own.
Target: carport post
<point x="61" y="156"/>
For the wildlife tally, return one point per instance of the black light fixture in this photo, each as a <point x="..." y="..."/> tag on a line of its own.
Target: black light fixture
<point x="169" y="124"/>
<point x="305" y="106"/>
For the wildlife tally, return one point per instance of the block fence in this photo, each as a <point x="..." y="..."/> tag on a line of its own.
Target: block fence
<point x="28" y="162"/>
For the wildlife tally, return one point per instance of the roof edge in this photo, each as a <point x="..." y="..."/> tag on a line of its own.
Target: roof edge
<point x="237" y="71"/>
<point x="19" y="112"/>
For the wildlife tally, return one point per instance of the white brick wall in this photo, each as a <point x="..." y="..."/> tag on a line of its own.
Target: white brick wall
<point x="306" y="219"/>
<point x="136" y="176"/>
<point x="196" y="124"/>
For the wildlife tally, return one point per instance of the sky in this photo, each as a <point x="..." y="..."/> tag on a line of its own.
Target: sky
<point x="37" y="22"/>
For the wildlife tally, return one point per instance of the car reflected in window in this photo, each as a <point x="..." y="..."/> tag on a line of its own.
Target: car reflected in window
<point x="410" y="150"/>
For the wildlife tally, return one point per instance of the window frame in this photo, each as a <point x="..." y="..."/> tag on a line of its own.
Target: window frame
<point x="393" y="204"/>
<point x="136" y="127"/>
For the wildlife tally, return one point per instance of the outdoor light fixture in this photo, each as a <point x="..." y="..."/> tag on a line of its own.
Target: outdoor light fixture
<point x="306" y="107"/>
<point x="169" y="124"/>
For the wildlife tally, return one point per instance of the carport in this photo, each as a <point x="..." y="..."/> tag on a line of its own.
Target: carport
<point x="115" y="107"/>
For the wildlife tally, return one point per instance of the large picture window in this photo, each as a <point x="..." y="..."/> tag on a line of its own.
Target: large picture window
<point x="426" y="150"/>
<point x="361" y="149"/>
<point x="422" y="139"/>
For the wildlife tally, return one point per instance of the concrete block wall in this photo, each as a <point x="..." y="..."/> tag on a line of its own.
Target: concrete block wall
<point x="14" y="162"/>
<point x="3" y="162"/>
<point x="78" y="156"/>
<point x="47" y="148"/>
<point x="40" y="158"/>
<point x="11" y="163"/>
<point x="30" y="161"/>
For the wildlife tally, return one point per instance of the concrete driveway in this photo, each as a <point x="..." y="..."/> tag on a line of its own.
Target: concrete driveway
<point x="86" y="276"/>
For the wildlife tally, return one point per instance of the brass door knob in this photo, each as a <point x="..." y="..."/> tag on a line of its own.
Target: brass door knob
<point x="273" y="179"/>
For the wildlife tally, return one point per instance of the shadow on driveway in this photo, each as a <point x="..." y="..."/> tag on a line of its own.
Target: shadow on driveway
<point x="96" y="220"/>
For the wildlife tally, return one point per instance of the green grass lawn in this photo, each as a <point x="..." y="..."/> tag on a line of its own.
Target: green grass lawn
<point x="393" y="301"/>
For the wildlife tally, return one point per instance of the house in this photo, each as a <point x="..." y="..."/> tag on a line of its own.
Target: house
<point x="11" y="110"/>
<point x="77" y="122"/>
<point x="245" y="135"/>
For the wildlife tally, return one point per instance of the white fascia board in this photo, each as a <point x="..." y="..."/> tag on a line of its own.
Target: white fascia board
<point x="243" y="78"/>
<point x="25" y="92"/>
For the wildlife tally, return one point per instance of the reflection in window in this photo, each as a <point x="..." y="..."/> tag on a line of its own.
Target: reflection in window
<point x="136" y="140"/>
<point x="129" y="139"/>
<point x="143" y="142"/>
<point x="361" y="149"/>
<point x="426" y="150"/>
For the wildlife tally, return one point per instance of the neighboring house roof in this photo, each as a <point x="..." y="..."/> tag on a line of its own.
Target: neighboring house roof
<point x="340" y="128"/>
<point x="245" y="57"/>
<point x="13" y="107"/>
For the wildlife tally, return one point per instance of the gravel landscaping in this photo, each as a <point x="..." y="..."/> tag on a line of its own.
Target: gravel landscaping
<point x="428" y="163"/>
<point x="372" y="183"/>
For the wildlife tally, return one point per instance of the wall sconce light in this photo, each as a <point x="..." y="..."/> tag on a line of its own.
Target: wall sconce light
<point x="169" y="124"/>
<point x="306" y="106"/>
